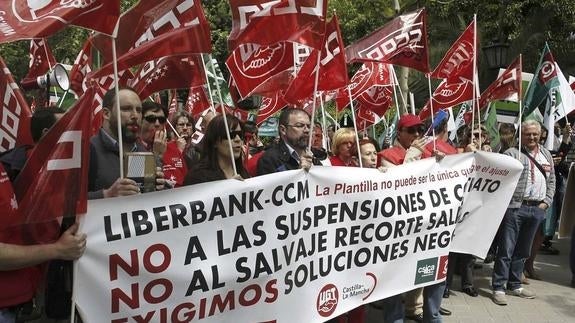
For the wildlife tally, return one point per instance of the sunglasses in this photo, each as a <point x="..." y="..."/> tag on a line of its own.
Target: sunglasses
<point x="152" y="119"/>
<point x="413" y="130"/>
<point x="235" y="133"/>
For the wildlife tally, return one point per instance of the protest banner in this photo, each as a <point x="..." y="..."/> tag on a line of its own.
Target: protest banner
<point x="293" y="246"/>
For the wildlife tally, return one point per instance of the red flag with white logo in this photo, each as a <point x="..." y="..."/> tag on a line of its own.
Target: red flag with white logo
<point x="148" y="19"/>
<point x="41" y="60"/>
<point x="174" y="72"/>
<point x="173" y="107"/>
<point x="197" y="101"/>
<point x="332" y="68"/>
<point x="269" y="106"/>
<point x="402" y="41"/>
<point x="182" y="41"/>
<point x="261" y="69"/>
<point x="370" y="74"/>
<point x="15" y="114"/>
<point x="41" y="18"/>
<point x="81" y="68"/>
<point x="377" y="99"/>
<point x="301" y="21"/>
<point x="450" y="92"/>
<point x="506" y="86"/>
<point x="459" y="57"/>
<point x="54" y="181"/>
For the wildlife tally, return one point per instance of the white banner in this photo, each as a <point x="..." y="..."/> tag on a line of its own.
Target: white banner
<point x="287" y="247"/>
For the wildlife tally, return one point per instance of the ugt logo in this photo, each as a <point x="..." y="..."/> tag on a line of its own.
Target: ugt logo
<point x="426" y="270"/>
<point x="327" y="300"/>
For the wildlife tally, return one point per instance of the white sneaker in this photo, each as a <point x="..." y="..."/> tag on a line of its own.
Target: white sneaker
<point x="523" y="293"/>
<point x="499" y="298"/>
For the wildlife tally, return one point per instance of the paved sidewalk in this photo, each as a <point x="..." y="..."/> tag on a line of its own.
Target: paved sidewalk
<point x="555" y="301"/>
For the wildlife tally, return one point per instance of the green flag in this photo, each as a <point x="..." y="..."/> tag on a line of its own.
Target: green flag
<point x="544" y="79"/>
<point x="210" y="66"/>
<point x="490" y="124"/>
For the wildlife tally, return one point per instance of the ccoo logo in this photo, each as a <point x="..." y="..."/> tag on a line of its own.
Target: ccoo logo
<point x="34" y="10"/>
<point x="327" y="300"/>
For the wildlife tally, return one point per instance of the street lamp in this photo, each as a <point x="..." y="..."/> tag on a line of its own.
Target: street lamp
<point x="496" y="55"/>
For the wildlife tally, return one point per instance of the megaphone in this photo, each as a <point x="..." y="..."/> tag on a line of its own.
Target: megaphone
<point x="58" y="76"/>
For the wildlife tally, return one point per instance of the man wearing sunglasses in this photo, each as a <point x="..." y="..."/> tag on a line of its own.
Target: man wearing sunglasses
<point x="408" y="144"/>
<point x="154" y="136"/>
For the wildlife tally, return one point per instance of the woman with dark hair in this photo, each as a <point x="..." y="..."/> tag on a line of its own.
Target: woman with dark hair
<point x="216" y="162"/>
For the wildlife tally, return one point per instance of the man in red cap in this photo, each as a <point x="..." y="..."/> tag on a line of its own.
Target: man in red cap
<point x="408" y="145"/>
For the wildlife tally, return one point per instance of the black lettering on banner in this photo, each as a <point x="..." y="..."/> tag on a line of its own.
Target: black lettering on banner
<point x="194" y="250"/>
<point x="432" y="241"/>
<point x="199" y="281"/>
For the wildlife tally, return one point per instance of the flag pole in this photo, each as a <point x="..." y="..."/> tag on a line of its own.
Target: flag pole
<point x="324" y="123"/>
<point x="354" y="125"/>
<point x="208" y="80"/>
<point x="396" y="83"/>
<point x="313" y="104"/>
<point x="224" y="115"/>
<point x="117" y="95"/>
<point x="476" y="83"/>
<point x="432" y="112"/>
<point x="520" y="97"/>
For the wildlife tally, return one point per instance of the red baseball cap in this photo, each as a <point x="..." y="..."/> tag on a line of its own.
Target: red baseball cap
<point x="408" y="120"/>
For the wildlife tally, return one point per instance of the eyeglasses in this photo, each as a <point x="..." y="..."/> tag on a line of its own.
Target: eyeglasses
<point x="184" y="125"/>
<point x="152" y="119"/>
<point x="299" y="125"/>
<point x="235" y="133"/>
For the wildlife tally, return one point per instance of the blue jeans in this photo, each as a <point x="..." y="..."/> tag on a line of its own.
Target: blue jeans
<point x="518" y="230"/>
<point x="393" y="309"/>
<point x="432" y="297"/>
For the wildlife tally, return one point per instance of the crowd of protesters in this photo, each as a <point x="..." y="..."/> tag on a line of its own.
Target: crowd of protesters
<point x="217" y="147"/>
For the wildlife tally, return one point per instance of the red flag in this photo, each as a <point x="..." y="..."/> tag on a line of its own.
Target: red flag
<point x="332" y="68"/>
<point x="197" y="101"/>
<point x="261" y="70"/>
<point x="181" y="41"/>
<point x="81" y="68"/>
<point x="15" y="114"/>
<point x="269" y="106"/>
<point x="377" y="99"/>
<point x="506" y="85"/>
<point x="147" y="20"/>
<point x="402" y="41"/>
<point x="238" y="113"/>
<point x="41" y="60"/>
<point x="54" y="181"/>
<point x="458" y="61"/>
<point x="450" y="92"/>
<point x="8" y="203"/>
<point x="37" y="19"/>
<point x="370" y="74"/>
<point x="172" y="72"/>
<point x="365" y="117"/>
<point x="299" y="21"/>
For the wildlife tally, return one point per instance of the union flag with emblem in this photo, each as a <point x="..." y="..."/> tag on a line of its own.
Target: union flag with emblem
<point x="506" y="87"/>
<point x="15" y="113"/>
<point x="53" y="183"/>
<point x="81" y="68"/>
<point x="37" y="19"/>
<point x="402" y="41"/>
<point x="370" y="74"/>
